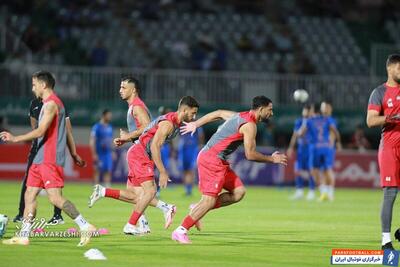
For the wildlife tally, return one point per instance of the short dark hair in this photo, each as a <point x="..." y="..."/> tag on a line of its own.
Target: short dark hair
<point x="130" y="79"/>
<point x="260" y="101"/>
<point x="45" y="77"/>
<point x="392" y="59"/>
<point x="105" y="111"/>
<point x="188" y="101"/>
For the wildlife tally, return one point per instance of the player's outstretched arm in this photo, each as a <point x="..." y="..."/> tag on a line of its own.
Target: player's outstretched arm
<point x="164" y="129"/>
<point x="374" y="119"/>
<point x="190" y="127"/>
<point x="249" y="131"/>
<point x="49" y="111"/>
<point x="71" y="145"/>
<point x="144" y="120"/>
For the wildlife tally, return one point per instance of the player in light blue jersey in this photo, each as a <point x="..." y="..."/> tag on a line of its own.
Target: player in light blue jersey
<point x="303" y="163"/>
<point x="320" y="128"/>
<point x="188" y="149"/>
<point x="101" y="140"/>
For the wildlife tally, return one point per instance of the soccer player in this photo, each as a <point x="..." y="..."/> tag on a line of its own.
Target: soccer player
<point x="138" y="118"/>
<point x="147" y="154"/>
<point x="320" y="127"/>
<point x="101" y="140"/>
<point x="215" y="173"/>
<point x="384" y="112"/>
<point x="303" y="163"/>
<point x="335" y="144"/>
<point x="34" y="110"/>
<point x="47" y="167"/>
<point x="188" y="148"/>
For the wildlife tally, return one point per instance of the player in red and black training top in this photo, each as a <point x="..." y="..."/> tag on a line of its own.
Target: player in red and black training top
<point x="215" y="174"/>
<point x="384" y="111"/>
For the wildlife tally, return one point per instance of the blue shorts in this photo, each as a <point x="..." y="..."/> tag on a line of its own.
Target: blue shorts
<point x="105" y="162"/>
<point x="304" y="158"/>
<point x="187" y="158"/>
<point x="165" y="155"/>
<point x="323" y="158"/>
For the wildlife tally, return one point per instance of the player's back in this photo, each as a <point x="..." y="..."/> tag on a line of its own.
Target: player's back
<point x="228" y="138"/>
<point x="319" y="130"/>
<point x="51" y="147"/>
<point x="148" y="134"/>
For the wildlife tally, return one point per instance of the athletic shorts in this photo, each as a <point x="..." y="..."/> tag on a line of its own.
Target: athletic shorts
<point x="389" y="165"/>
<point x="215" y="174"/>
<point x="45" y="175"/>
<point x="140" y="166"/>
<point x="323" y="158"/>
<point x="105" y="162"/>
<point x="187" y="158"/>
<point x="304" y="158"/>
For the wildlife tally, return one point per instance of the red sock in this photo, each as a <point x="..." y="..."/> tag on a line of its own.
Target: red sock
<point x="113" y="193"/>
<point x="134" y="217"/>
<point x="188" y="222"/>
<point x="217" y="204"/>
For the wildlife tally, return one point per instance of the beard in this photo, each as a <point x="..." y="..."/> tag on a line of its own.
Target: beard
<point x="397" y="79"/>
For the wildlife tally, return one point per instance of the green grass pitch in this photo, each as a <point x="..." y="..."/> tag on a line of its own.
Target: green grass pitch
<point x="264" y="229"/>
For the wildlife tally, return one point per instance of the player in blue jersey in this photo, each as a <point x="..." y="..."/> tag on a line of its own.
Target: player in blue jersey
<point x="303" y="163"/>
<point x="319" y="128"/>
<point x="188" y="149"/>
<point x="335" y="144"/>
<point x="101" y="140"/>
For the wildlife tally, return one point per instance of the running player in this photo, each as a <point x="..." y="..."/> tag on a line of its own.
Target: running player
<point x="303" y="163"/>
<point x="138" y="118"/>
<point x="384" y="112"/>
<point x="146" y="154"/>
<point x="188" y="148"/>
<point x="47" y="167"/>
<point x="215" y="173"/>
<point x="101" y="139"/>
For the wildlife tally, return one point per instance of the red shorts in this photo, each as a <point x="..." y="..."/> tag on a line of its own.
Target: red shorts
<point x="45" y="175"/>
<point x="140" y="167"/>
<point x="215" y="175"/>
<point x="389" y="165"/>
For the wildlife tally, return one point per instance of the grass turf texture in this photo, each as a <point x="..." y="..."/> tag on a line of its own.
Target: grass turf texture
<point x="264" y="229"/>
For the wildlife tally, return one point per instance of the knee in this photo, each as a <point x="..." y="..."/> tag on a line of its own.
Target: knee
<point x="55" y="200"/>
<point x="208" y="202"/>
<point x="239" y="194"/>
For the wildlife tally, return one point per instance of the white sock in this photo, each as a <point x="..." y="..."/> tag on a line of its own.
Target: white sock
<point x="330" y="190"/>
<point x="143" y="221"/>
<point x="299" y="191"/>
<point x="181" y="230"/>
<point x="25" y="229"/>
<point x="386" y="238"/>
<point x="103" y="192"/>
<point x="322" y="189"/>
<point x="81" y="222"/>
<point x="162" y="206"/>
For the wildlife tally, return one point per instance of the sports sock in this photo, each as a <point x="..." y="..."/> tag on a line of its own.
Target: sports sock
<point x="81" y="222"/>
<point x="299" y="182"/>
<point x="188" y="189"/>
<point x="112" y="193"/>
<point x="162" y="206"/>
<point x="389" y="196"/>
<point x="134" y="217"/>
<point x="188" y="222"/>
<point x="386" y="238"/>
<point x="311" y="183"/>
